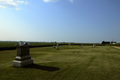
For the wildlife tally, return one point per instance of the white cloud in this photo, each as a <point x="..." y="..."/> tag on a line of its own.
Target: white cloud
<point x="50" y="0"/>
<point x="26" y="3"/>
<point x="2" y="6"/>
<point x="20" y="2"/>
<point x="17" y="8"/>
<point x="71" y="0"/>
<point x="11" y="4"/>
<point x="54" y="0"/>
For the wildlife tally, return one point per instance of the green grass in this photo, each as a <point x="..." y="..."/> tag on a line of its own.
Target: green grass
<point x="12" y="44"/>
<point x="68" y="63"/>
<point x="7" y="44"/>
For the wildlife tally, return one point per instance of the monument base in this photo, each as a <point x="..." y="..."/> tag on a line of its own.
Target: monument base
<point x="22" y="63"/>
<point x="57" y="48"/>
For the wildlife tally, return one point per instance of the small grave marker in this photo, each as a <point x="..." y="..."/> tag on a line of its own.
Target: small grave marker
<point x="57" y="47"/>
<point x="69" y="44"/>
<point x="53" y="45"/>
<point x="94" y="45"/>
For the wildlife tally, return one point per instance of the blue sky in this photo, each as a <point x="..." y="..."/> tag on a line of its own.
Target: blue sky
<point x="84" y="21"/>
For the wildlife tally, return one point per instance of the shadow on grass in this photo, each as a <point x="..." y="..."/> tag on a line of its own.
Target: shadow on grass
<point x="46" y="68"/>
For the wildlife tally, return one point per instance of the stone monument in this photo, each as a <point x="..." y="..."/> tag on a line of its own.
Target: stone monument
<point x="53" y="45"/>
<point x="94" y="45"/>
<point x="57" y="47"/>
<point x="23" y="57"/>
<point x="69" y="44"/>
<point x="81" y="44"/>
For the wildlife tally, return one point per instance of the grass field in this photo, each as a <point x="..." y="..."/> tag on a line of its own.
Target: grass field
<point x="68" y="63"/>
<point x="12" y="44"/>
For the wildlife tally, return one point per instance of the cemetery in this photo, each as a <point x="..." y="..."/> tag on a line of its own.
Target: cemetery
<point x="58" y="62"/>
<point x="59" y="40"/>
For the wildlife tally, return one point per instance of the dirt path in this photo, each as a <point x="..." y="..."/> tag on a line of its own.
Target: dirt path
<point x="116" y="47"/>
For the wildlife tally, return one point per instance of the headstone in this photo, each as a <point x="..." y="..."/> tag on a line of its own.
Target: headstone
<point x="94" y="45"/>
<point x="69" y="44"/>
<point x="57" y="47"/>
<point x="23" y="57"/>
<point x="53" y="45"/>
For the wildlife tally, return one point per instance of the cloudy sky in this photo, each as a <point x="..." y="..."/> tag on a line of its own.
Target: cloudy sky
<point x="86" y="21"/>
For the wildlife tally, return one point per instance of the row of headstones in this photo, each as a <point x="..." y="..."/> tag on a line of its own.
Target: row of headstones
<point x="56" y="46"/>
<point x="93" y="45"/>
<point x="69" y="44"/>
<point x="23" y="57"/>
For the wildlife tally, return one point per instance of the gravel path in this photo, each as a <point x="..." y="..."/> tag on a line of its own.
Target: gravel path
<point x="116" y="47"/>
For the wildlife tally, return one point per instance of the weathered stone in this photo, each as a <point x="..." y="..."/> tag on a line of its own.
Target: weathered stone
<point x="23" y="57"/>
<point x="69" y="44"/>
<point x="57" y="47"/>
<point x="94" y="45"/>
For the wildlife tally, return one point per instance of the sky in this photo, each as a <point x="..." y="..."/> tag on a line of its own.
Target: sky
<point x="83" y="21"/>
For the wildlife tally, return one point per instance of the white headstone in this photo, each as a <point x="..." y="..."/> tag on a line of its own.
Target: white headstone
<point x="81" y="44"/>
<point x="94" y="45"/>
<point x="69" y="44"/>
<point x="57" y="47"/>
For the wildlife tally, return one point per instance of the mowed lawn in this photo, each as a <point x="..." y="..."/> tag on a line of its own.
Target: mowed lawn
<point x="67" y="63"/>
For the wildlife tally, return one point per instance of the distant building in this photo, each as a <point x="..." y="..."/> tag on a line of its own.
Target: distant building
<point x="113" y="42"/>
<point x="108" y="42"/>
<point x="105" y="42"/>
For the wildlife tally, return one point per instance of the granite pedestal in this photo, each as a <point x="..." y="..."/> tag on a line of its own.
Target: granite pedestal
<point x="23" y="57"/>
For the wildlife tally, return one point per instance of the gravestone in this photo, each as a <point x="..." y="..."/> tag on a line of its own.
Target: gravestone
<point x="81" y="44"/>
<point x="94" y="45"/>
<point x="57" y="47"/>
<point x="23" y="57"/>
<point x="53" y="45"/>
<point x="69" y="44"/>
